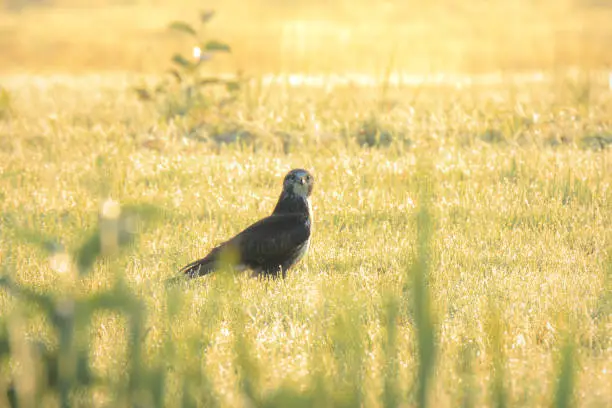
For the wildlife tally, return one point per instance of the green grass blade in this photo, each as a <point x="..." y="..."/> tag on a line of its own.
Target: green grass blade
<point x="423" y="314"/>
<point x="564" y="391"/>
<point x="391" y="396"/>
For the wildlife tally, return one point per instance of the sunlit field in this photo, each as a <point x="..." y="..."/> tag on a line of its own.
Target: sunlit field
<point x="270" y="36"/>
<point x="462" y="244"/>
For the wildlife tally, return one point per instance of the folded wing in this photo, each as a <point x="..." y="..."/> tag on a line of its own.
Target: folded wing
<point x="270" y="244"/>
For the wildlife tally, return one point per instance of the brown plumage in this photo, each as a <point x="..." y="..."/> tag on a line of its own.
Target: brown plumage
<point x="272" y="245"/>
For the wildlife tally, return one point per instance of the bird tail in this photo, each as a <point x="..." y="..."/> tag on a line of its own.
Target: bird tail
<point x="199" y="268"/>
<point x="223" y="255"/>
<point x="195" y="269"/>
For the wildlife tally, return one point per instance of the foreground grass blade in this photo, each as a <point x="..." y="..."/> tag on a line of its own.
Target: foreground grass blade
<point x="390" y="392"/>
<point x="499" y="394"/>
<point x="87" y="252"/>
<point x="423" y="317"/>
<point x="118" y="227"/>
<point x="46" y="243"/>
<point x="566" y="377"/>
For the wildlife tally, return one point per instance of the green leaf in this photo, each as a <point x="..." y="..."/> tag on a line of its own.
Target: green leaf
<point x="44" y="301"/>
<point x="48" y="244"/>
<point x="88" y="252"/>
<point x="232" y="86"/>
<point x="182" y="61"/>
<point x="208" y="81"/>
<point x="205" y="16"/>
<point x="183" y="27"/>
<point x="215" y="45"/>
<point x="176" y="75"/>
<point x="143" y="94"/>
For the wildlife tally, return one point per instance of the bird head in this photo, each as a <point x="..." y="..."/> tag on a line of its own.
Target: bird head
<point x="299" y="182"/>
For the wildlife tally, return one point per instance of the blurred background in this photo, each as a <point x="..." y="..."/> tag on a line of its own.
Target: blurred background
<point x="310" y="36"/>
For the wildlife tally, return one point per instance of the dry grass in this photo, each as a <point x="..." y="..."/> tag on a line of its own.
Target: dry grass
<point x="274" y="37"/>
<point x="520" y="202"/>
<point x="521" y="226"/>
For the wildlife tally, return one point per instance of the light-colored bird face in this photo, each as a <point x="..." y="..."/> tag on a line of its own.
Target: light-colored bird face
<point x="299" y="182"/>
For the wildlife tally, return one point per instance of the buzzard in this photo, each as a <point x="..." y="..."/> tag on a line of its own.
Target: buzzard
<point x="272" y="245"/>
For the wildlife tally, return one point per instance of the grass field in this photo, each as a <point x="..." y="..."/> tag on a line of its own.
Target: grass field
<point x="462" y="245"/>
<point x="272" y="36"/>
<point x="520" y="245"/>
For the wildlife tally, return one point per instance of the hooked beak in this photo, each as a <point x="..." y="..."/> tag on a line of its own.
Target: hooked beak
<point x="302" y="181"/>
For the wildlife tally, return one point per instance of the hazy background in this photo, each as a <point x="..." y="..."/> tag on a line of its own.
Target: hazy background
<point x="311" y="36"/>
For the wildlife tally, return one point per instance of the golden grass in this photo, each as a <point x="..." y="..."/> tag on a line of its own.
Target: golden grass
<point x="520" y="248"/>
<point x="522" y="238"/>
<point x="273" y="37"/>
